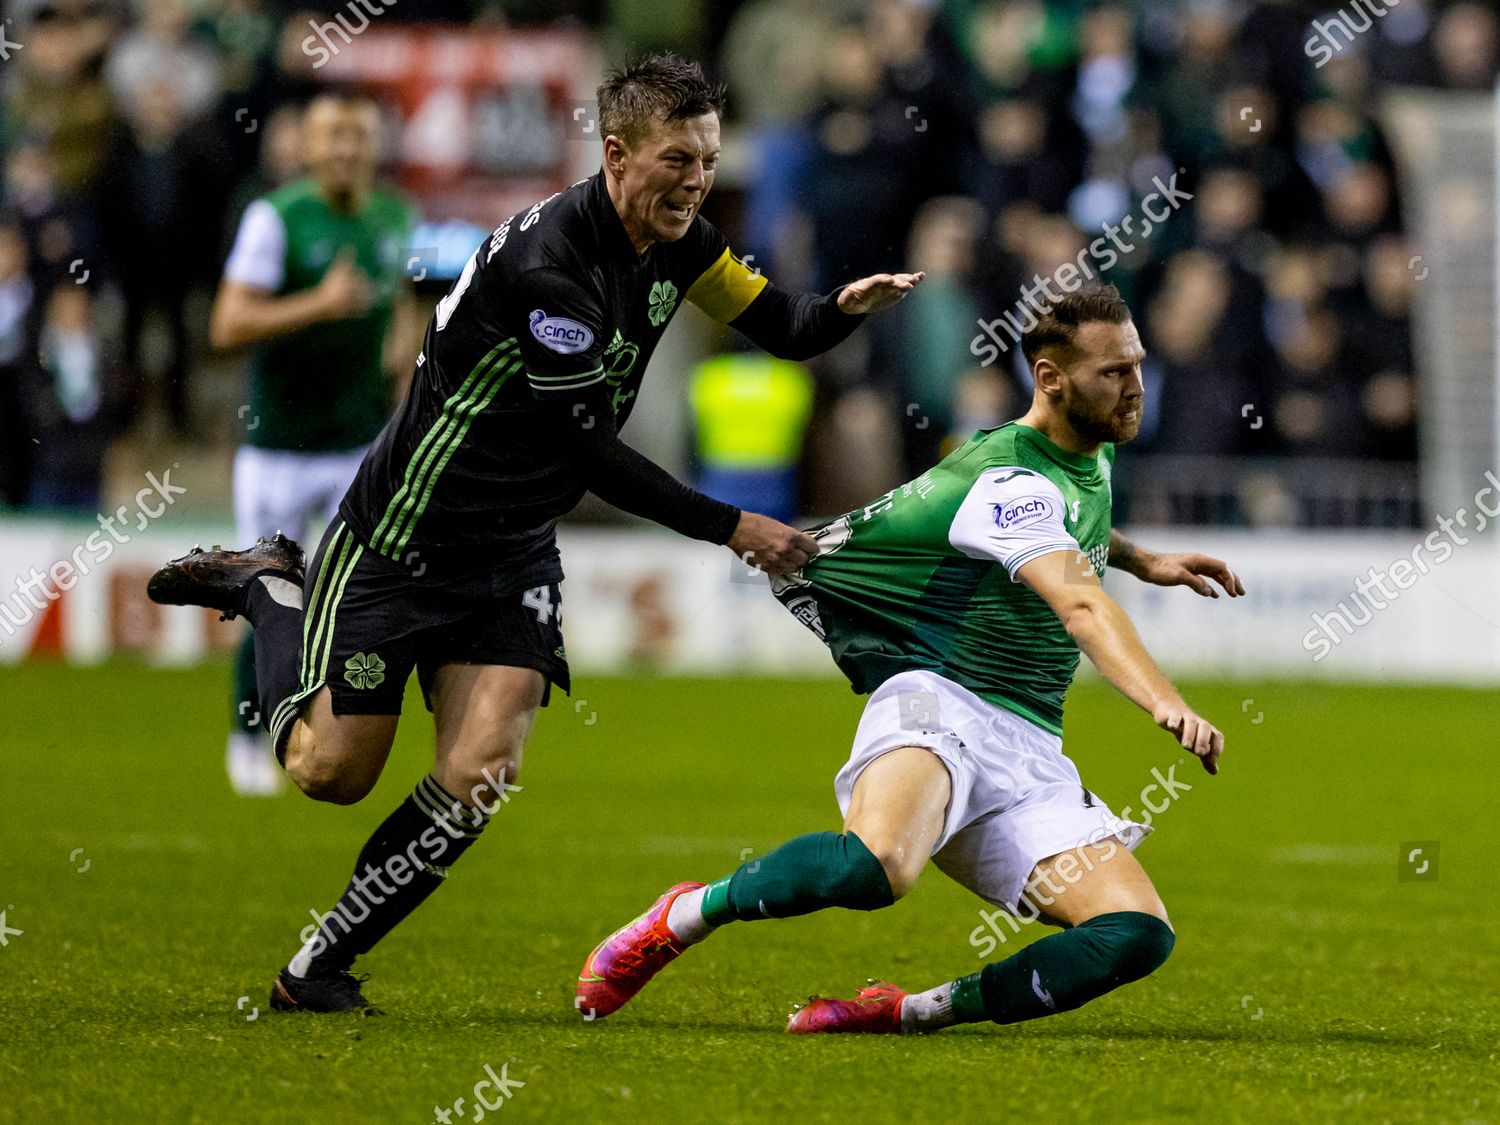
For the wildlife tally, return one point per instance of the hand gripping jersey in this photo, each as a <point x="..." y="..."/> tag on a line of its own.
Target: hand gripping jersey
<point x="924" y="577"/>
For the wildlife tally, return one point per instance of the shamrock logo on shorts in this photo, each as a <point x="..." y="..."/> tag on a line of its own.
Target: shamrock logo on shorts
<point x="661" y="302"/>
<point x="364" y="670"/>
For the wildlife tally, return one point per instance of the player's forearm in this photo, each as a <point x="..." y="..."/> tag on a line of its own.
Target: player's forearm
<point x="632" y="482"/>
<point x="245" y="320"/>
<point x="796" y="325"/>
<point x="625" y="478"/>
<point x="1106" y="636"/>
<point x="1125" y="555"/>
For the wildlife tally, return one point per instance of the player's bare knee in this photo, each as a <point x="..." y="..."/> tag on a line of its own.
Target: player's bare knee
<point x="484" y="777"/>
<point x="300" y="760"/>
<point x="323" y="781"/>
<point x="315" y="780"/>
<point x="1142" y="944"/>
<point x="902" y="867"/>
<point x="340" y="791"/>
<point x="498" y="779"/>
<point x="322" y="775"/>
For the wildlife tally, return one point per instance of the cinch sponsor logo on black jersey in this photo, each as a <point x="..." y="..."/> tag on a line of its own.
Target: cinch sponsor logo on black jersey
<point x="560" y="334"/>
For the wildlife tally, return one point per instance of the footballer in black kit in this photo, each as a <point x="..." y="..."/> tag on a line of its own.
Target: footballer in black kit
<point x="444" y="558"/>
<point x="531" y="364"/>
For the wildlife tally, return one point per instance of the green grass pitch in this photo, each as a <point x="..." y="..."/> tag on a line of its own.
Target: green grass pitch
<point x="1310" y="981"/>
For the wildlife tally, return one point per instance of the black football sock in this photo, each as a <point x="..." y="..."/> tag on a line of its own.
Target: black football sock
<point x="405" y="860"/>
<point x="274" y="607"/>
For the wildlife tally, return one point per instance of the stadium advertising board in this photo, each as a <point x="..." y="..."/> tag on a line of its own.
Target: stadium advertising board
<point x="641" y="599"/>
<point x="482" y="124"/>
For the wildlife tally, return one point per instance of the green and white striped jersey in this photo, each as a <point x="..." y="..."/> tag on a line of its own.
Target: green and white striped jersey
<point x="924" y="576"/>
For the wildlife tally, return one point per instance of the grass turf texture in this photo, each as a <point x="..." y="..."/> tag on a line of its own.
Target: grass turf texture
<point x="1309" y="983"/>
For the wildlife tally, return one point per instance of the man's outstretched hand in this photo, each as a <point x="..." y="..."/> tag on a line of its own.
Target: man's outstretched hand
<point x="1191" y="571"/>
<point x="1193" y="732"/>
<point x="771" y="545"/>
<point x="881" y="291"/>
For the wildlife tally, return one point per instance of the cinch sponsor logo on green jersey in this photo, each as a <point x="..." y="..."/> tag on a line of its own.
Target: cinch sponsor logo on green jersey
<point x="1022" y="511"/>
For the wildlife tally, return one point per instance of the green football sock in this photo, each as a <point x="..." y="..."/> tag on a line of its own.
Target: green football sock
<point x="1065" y="971"/>
<point x="245" y="701"/>
<point x="812" y="872"/>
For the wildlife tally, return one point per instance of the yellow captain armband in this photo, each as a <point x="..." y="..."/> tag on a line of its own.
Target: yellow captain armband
<point x="726" y="288"/>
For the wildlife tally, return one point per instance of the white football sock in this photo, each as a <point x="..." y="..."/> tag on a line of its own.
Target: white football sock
<point x="928" y="1011"/>
<point x="251" y="765"/>
<point x="685" y="918"/>
<point x="300" y="963"/>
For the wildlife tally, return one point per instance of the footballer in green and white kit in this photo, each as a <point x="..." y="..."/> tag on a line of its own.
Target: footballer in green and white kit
<point x="910" y="582"/>
<point x="917" y="598"/>
<point x="314" y="284"/>
<point x="960" y="603"/>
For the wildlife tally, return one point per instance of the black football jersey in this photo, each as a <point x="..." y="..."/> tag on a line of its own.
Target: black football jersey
<point x="555" y="301"/>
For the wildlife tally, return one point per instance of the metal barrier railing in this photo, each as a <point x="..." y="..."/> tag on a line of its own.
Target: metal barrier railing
<point x="1267" y="492"/>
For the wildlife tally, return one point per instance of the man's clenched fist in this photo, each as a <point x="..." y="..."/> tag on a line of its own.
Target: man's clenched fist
<point x="771" y="545"/>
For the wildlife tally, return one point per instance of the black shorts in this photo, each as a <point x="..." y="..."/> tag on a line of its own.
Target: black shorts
<point x="368" y="621"/>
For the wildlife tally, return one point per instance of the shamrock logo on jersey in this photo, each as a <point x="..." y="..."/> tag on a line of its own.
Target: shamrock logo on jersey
<point x="364" y="670"/>
<point x="662" y="301"/>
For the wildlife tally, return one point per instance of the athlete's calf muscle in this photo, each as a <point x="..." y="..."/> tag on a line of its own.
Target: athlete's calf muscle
<point x="337" y="758"/>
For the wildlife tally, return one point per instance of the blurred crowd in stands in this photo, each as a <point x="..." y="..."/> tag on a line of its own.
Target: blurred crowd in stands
<point x="985" y="142"/>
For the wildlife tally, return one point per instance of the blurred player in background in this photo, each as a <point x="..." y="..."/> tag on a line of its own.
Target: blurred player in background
<point x="960" y="602"/>
<point x="443" y="559"/>
<point x="313" y="282"/>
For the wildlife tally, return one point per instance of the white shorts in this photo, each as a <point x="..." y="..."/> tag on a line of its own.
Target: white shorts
<point x="1016" y="797"/>
<point x="278" y="489"/>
